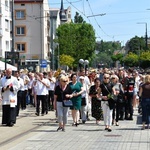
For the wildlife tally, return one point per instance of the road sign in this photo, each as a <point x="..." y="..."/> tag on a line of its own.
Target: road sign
<point x="43" y="63"/>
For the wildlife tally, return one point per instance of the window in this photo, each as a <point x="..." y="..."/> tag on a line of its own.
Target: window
<point x="6" y="24"/>
<point x="20" y="30"/>
<point x="6" y="5"/>
<point x="21" y="47"/>
<point x="20" y="14"/>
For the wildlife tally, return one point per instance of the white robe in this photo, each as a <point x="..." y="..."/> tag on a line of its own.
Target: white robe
<point x="8" y="95"/>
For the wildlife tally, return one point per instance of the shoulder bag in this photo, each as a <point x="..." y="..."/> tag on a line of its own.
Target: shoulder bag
<point x="67" y="103"/>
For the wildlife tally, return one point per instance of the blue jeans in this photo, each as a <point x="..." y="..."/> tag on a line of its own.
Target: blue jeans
<point x="145" y="110"/>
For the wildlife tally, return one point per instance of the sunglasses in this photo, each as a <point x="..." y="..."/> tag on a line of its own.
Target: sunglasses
<point x="112" y="78"/>
<point x="64" y="81"/>
<point x="106" y="78"/>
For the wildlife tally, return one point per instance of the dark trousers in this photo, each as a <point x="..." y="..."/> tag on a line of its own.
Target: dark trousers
<point x="8" y="114"/>
<point x="145" y="110"/>
<point x="42" y="99"/>
<point x="129" y="106"/>
<point x="117" y="111"/>
<point x="23" y="100"/>
<point x="46" y="104"/>
<point x="50" y="99"/>
<point x="31" y="96"/>
<point x="19" y="99"/>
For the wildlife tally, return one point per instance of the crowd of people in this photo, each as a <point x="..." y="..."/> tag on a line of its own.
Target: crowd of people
<point x="109" y="95"/>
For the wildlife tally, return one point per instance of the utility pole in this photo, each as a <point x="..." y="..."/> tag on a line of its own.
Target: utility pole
<point x="146" y="36"/>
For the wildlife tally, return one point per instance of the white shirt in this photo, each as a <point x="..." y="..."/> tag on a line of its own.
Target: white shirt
<point x="41" y="89"/>
<point x="21" y="84"/>
<point x="52" y="84"/>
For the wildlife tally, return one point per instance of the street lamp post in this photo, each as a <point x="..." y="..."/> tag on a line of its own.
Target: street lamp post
<point x="146" y="36"/>
<point x="83" y="64"/>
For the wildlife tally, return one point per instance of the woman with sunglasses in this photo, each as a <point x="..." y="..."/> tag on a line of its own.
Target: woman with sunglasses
<point x="77" y="90"/>
<point x="62" y="92"/>
<point x="107" y="103"/>
<point x="119" y="96"/>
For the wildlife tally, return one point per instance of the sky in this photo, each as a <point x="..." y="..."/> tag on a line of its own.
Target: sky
<point x="112" y="20"/>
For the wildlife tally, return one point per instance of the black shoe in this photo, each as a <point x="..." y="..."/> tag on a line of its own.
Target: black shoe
<point x="63" y="129"/>
<point x="10" y="124"/>
<point x="59" y="128"/>
<point x="106" y="128"/>
<point x="109" y="130"/>
<point x="76" y="124"/>
<point x="83" y="121"/>
<point x="37" y="114"/>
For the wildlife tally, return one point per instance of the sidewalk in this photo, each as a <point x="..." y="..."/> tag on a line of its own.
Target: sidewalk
<point x="39" y="133"/>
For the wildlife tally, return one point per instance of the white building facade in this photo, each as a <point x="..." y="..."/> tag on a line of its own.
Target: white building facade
<point x="32" y="31"/>
<point x="5" y="27"/>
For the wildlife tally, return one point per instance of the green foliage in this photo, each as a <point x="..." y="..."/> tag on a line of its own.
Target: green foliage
<point x="117" y="57"/>
<point x="66" y="60"/>
<point x="131" y="59"/>
<point x="108" y="47"/>
<point x="145" y="59"/>
<point x="78" y="18"/>
<point x="136" y="44"/>
<point x="76" y="40"/>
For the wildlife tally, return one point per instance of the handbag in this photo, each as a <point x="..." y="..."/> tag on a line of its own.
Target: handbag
<point x="67" y="103"/>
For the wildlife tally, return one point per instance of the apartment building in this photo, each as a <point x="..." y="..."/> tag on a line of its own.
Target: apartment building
<point x="58" y="16"/>
<point x="5" y="27"/>
<point x="32" y="31"/>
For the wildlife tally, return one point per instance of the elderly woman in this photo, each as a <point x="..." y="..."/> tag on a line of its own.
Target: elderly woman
<point x="84" y="99"/>
<point x="94" y="93"/>
<point x="62" y="92"/>
<point x="144" y="94"/>
<point x="119" y="96"/>
<point x="107" y="103"/>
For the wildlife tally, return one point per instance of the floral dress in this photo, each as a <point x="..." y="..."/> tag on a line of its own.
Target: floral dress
<point x="95" y="105"/>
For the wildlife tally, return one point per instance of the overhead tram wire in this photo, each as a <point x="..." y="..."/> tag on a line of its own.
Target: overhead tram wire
<point x="96" y="20"/>
<point x="82" y="14"/>
<point x="64" y="2"/>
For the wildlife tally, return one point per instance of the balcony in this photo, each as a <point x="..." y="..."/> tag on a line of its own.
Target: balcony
<point x="48" y="38"/>
<point x="48" y="23"/>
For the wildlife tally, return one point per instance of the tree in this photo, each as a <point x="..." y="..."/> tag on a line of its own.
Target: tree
<point x="136" y="45"/>
<point x="78" y="18"/>
<point x="145" y="59"/>
<point x="131" y="60"/>
<point x="66" y="60"/>
<point x="76" y="40"/>
<point x="117" y="57"/>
